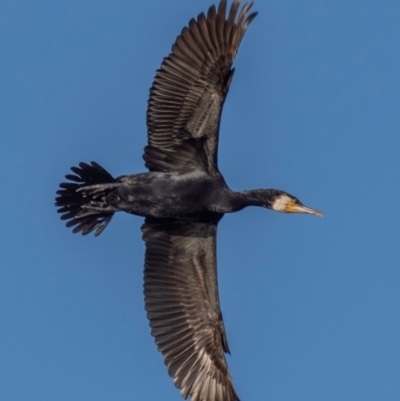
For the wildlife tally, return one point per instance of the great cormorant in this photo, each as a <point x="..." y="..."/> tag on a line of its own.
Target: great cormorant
<point x="182" y="198"/>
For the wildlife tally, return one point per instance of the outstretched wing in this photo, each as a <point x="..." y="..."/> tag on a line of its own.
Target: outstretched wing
<point x="189" y="90"/>
<point x="182" y="304"/>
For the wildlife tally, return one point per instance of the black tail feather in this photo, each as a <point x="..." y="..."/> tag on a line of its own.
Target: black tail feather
<point x="86" y="208"/>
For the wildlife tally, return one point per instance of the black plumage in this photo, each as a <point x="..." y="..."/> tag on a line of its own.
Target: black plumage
<point x="183" y="198"/>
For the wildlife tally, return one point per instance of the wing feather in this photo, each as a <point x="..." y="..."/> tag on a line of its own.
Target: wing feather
<point x="182" y="304"/>
<point x="189" y="90"/>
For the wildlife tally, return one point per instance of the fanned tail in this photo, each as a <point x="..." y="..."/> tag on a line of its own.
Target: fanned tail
<point x="83" y="202"/>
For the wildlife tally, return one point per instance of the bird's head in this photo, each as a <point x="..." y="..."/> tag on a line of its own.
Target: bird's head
<point x="281" y="201"/>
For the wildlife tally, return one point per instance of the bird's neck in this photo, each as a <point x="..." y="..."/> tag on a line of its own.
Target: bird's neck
<point x="252" y="197"/>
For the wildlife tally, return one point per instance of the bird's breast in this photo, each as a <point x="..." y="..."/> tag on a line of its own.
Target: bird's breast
<point x="168" y="195"/>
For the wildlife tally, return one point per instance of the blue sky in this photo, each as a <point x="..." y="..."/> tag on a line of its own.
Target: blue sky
<point x="311" y="306"/>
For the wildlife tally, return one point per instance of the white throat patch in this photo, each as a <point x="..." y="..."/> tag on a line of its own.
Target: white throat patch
<point x="281" y="203"/>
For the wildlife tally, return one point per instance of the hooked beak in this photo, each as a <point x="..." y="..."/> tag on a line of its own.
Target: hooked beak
<point x="299" y="208"/>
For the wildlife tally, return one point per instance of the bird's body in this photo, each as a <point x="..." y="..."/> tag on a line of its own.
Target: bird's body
<point x="182" y="198"/>
<point x="193" y="196"/>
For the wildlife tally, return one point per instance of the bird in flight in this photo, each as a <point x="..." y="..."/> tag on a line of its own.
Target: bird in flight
<point x="182" y="197"/>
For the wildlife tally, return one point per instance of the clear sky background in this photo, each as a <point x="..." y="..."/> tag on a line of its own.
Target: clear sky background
<point x="311" y="306"/>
